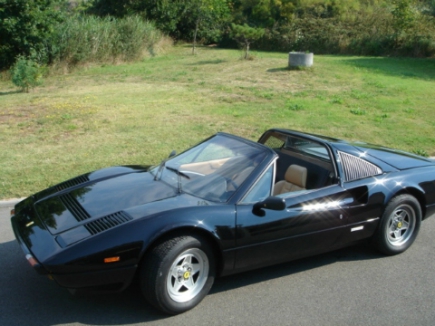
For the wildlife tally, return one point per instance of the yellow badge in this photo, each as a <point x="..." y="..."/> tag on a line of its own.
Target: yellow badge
<point x="186" y="275"/>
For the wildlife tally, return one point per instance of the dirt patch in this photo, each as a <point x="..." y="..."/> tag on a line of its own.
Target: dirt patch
<point x="59" y="118"/>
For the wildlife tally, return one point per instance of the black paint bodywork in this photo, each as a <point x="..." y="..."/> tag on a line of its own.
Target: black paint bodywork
<point x="124" y="211"/>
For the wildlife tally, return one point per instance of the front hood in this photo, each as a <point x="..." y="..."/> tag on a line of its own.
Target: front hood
<point x="67" y="209"/>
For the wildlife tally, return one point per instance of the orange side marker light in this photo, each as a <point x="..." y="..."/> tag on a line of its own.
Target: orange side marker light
<point x="112" y="259"/>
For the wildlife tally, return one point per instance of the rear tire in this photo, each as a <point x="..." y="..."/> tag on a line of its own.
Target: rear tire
<point x="177" y="274"/>
<point x="399" y="225"/>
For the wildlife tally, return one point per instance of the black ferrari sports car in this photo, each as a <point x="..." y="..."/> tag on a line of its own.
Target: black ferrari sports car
<point x="223" y="206"/>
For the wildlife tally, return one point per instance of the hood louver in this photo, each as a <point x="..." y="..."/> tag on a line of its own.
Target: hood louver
<point x="107" y="222"/>
<point x="73" y="182"/>
<point x="74" y="207"/>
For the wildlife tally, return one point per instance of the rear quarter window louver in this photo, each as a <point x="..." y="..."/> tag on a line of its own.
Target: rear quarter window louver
<point x="107" y="222"/>
<point x="73" y="182"/>
<point x="356" y="168"/>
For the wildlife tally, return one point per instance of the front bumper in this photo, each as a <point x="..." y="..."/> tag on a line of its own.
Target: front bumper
<point x="27" y="253"/>
<point x="38" y="244"/>
<point x="115" y="279"/>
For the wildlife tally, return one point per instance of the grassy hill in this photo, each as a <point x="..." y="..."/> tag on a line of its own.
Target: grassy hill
<point x="137" y="113"/>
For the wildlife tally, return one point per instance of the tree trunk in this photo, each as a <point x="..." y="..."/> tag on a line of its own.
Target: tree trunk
<point x="246" y="50"/>
<point x="194" y="36"/>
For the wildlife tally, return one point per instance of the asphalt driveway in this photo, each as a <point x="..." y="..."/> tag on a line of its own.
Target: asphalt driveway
<point x="354" y="286"/>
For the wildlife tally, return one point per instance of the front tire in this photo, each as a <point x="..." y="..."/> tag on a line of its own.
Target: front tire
<point x="178" y="273"/>
<point x="399" y="225"/>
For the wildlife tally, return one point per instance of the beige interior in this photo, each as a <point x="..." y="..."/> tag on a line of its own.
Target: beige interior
<point x="206" y="167"/>
<point x="295" y="179"/>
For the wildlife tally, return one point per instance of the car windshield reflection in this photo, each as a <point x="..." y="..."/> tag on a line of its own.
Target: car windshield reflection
<point x="212" y="170"/>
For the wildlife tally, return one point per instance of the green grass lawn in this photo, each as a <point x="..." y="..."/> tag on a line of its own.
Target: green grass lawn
<point x="137" y="113"/>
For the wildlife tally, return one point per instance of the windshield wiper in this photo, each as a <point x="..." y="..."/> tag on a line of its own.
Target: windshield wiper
<point x="180" y="174"/>
<point x="162" y="164"/>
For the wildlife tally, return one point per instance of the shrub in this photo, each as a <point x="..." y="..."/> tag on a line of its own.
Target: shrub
<point x="362" y="33"/>
<point x="93" y="39"/>
<point x="25" y="27"/>
<point x="26" y="73"/>
<point x="245" y="35"/>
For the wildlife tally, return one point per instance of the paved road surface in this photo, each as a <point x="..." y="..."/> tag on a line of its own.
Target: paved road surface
<point x="355" y="286"/>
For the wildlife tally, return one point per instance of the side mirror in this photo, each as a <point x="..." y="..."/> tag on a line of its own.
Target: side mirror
<point x="273" y="203"/>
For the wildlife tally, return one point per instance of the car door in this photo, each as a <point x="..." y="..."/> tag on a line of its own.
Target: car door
<point x="313" y="221"/>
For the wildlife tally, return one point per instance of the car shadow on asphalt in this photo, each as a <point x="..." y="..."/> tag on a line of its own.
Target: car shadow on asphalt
<point x="37" y="296"/>
<point x="33" y="300"/>
<point x="358" y="252"/>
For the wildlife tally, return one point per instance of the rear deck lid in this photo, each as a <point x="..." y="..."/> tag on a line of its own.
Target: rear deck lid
<point x="398" y="159"/>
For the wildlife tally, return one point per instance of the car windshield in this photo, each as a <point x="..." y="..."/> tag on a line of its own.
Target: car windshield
<point x="212" y="170"/>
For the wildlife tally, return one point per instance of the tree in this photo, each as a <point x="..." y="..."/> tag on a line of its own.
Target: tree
<point x="245" y="35"/>
<point x="431" y="7"/>
<point x="26" y="74"/>
<point x="263" y="13"/>
<point x="404" y="15"/>
<point x="114" y="8"/>
<point x="181" y="19"/>
<point x="166" y="14"/>
<point x="25" y="27"/>
<point x="207" y="17"/>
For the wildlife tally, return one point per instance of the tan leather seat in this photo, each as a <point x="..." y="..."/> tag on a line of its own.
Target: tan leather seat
<point x="295" y="179"/>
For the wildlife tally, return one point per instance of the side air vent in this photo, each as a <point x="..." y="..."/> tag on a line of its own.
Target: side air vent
<point x="74" y="207"/>
<point x="356" y="168"/>
<point x="73" y="182"/>
<point x="107" y="222"/>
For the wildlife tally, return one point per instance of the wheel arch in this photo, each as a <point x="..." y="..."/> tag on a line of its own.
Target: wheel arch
<point x="417" y="194"/>
<point x="208" y="236"/>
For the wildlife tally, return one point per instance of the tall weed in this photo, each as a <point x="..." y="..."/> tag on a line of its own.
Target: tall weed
<point x="84" y="39"/>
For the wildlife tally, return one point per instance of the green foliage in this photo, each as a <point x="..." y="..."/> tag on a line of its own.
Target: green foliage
<point x="404" y="15"/>
<point x="179" y="18"/>
<point x="363" y="27"/>
<point x="295" y="106"/>
<point x="82" y="39"/>
<point x="428" y="7"/>
<point x="114" y="8"/>
<point x="358" y="111"/>
<point x="79" y="6"/>
<point x="245" y="35"/>
<point x="269" y="13"/>
<point x="263" y="13"/>
<point x="205" y="18"/>
<point x="25" y="28"/>
<point x="26" y="73"/>
<point x="420" y="152"/>
<point x="363" y="33"/>
<point x="48" y="31"/>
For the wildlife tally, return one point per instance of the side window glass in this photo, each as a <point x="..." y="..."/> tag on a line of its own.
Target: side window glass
<point x="262" y="189"/>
